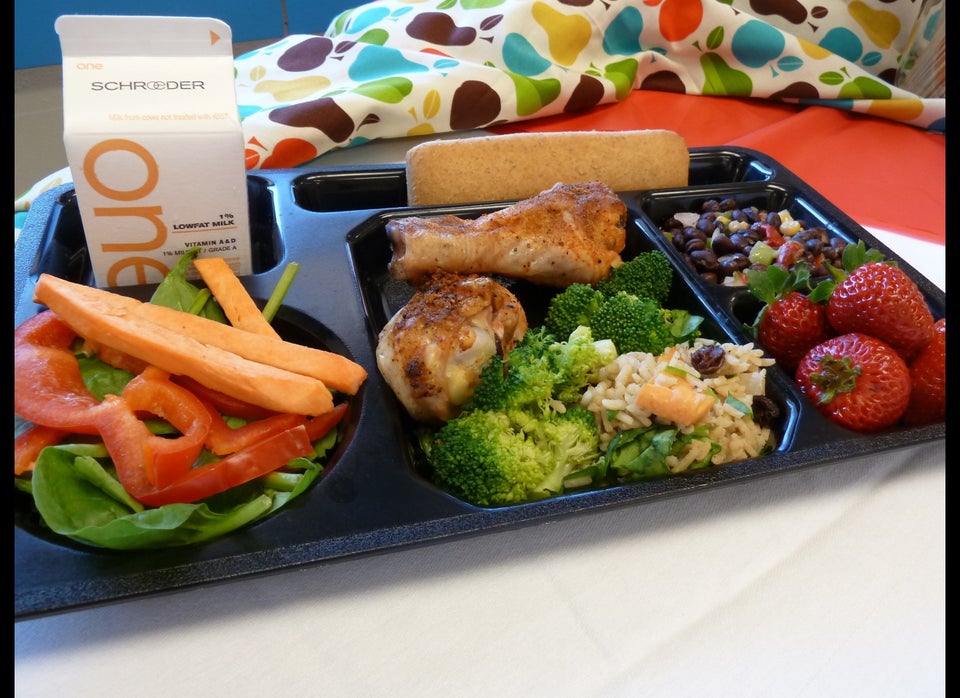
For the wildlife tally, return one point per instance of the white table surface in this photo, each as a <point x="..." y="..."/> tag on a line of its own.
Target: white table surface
<point x="828" y="581"/>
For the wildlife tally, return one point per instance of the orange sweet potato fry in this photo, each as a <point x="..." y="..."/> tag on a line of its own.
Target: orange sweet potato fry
<point x="238" y="306"/>
<point x="105" y="319"/>
<point x="335" y="371"/>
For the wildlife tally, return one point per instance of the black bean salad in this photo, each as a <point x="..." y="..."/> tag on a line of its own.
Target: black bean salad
<point x="722" y="240"/>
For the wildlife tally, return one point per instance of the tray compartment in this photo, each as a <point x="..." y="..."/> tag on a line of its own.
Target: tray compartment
<point x="292" y="325"/>
<point x="352" y="189"/>
<point x="383" y="296"/>
<point x="659" y="207"/>
<point x="58" y="246"/>
<point x="716" y="165"/>
<point x="803" y="204"/>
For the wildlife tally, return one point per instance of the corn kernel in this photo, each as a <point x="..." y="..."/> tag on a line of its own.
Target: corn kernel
<point x="790" y="228"/>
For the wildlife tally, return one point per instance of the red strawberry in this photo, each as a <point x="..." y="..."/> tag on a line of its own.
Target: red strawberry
<point x="928" y="378"/>
<point x="789" y="326"/>
<point x="856" y="381"/>
<point x="880" y="300"/>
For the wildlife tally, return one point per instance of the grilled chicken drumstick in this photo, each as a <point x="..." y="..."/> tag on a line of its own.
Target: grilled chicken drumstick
<point x="568" y="233"/>
<point x="431" y="351"/>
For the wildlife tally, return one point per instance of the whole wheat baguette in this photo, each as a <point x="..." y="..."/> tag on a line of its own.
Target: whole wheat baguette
<point x="520" y="165"/>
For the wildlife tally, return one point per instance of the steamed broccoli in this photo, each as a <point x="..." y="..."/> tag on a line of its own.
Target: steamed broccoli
<point x="498" y="458"/>
<point x="573" y="306"/>
<point x="523" y="430"/>
<point x="525" y="379"/>
<point x="576" y="362"/>
<point x="626" y="307"/>
<point x="637" y="323"/>
<point x="540" y="369"/>
<point x="648" y="274"/>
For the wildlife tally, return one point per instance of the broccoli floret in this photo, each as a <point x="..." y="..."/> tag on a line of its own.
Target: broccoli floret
<point x="626" y="307"/>
<point x="648" y="274"/>
<point x="523" y="381"/>
<point x="573" y="306"/>
<point x="540" y="370"/>
<point x="509" y="457"/>
<point x="523" y="430"/>
<point x="638" y="323"/>
<point x="577" y="361"/>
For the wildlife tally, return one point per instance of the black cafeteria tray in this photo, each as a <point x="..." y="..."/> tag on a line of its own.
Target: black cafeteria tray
<point x="331" y="221"/>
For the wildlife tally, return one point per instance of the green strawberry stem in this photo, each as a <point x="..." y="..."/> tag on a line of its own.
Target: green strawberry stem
<point x="837" y="375"/>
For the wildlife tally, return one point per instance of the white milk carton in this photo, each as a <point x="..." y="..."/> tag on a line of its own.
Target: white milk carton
<point x="153" y="138"/>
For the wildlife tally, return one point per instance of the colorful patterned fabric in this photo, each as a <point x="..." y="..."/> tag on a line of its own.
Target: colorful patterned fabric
<point x="396" y="68"/>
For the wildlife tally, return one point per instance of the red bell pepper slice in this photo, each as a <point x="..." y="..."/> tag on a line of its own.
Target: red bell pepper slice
<point x="123" y="434"/>
<point x="318" y="426"/>
<point x="772" y="235"/>
<point x="236" y="469"/>
<point x="48" y="388"/>
<point x="156" y="470"/>
<point x="168" y="459"/>
<point x="224" y="439"/>
<point x="28" y="444"/>
<point x="224" y="403"/>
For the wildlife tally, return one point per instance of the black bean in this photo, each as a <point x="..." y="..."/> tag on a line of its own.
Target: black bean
<point x="741" y="240"/>
<point x="721" y="244"/>
<point x="710" y="205"/>
<point x="704" y="260"/>
<point x="706" y="225"/>
<point x="728" y="204"/>
<point x="732" y="263"/>
<point x="715" y="254"/>
<point x="680" y="239"/>
<point x="813" y="246"/>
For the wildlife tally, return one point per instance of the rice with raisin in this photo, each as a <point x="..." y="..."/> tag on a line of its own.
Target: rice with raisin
<point x="733" y="385"/>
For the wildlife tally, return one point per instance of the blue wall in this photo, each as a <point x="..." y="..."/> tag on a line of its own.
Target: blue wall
<point x="36" y="43"/>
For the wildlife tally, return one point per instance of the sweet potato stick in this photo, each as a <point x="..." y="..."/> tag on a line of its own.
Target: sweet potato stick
<point x="238" y="306"/>
<point x="335" y="371"/>
<point x="127" y="330"/>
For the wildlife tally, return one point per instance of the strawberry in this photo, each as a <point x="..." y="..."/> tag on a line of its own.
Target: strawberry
<point x="880" y="300"/>
<point x="928" y="378"/>
<point x="790" y="326"/>
<point x="790" y="322"/>
<point x="856" y="381"/>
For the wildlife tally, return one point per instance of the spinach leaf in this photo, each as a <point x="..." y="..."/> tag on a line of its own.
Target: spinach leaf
<point x="178" y="293"/>
<point x="79" y="498"/>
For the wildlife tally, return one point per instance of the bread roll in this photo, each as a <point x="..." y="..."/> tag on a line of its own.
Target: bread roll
<point x="520" y="165"/>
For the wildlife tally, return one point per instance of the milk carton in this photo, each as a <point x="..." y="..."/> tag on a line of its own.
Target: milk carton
<point x="154" y="142"/>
